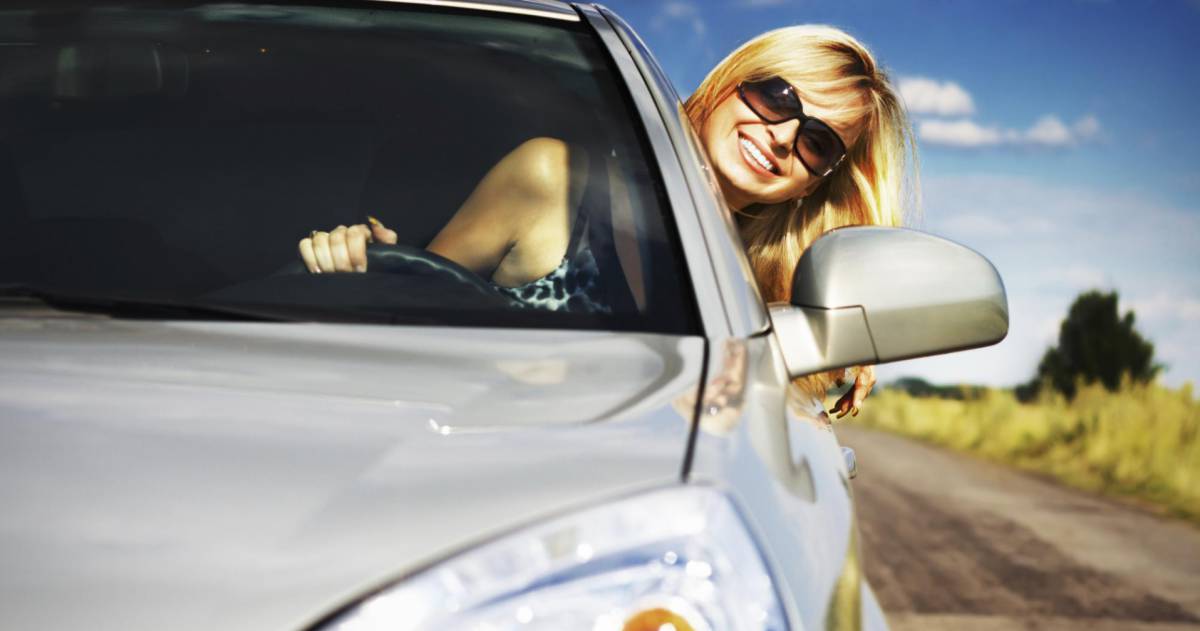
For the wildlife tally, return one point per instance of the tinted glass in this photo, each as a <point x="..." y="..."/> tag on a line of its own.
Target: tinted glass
<point x="772" y="99"/>
<point x="775" y="101"/>
<point x="818" y="145"/>
<point x="177" y="154"/>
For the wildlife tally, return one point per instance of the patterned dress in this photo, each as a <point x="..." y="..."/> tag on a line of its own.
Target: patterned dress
<point x="574" y="286"/>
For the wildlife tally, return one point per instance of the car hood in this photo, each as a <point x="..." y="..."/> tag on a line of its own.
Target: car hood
<point x="255" y="476"/>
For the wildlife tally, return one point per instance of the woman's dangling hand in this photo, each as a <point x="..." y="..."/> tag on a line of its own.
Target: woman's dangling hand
<point x="343" y="249"/>
<point x="852" y="400"/>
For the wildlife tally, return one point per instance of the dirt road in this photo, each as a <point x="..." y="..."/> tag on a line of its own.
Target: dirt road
<point x="950" y="542"/>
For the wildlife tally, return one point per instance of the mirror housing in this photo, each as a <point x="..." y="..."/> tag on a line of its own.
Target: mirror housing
<point x="869" y="295"/>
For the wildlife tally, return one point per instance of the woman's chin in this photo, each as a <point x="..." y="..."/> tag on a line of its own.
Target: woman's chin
<point x="758" y="194"/>
<point x="750" y="187"/>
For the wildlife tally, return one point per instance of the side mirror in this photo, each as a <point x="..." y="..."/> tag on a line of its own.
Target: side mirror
<point x="868" y="295"/>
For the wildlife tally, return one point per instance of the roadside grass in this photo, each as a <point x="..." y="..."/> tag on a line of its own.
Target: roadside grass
<point x="1140" y="442"/>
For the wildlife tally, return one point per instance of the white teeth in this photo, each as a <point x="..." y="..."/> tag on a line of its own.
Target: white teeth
<point x="758" y="155"/>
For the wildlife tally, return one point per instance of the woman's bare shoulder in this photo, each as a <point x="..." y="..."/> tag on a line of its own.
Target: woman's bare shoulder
<point x="538" y="167"/>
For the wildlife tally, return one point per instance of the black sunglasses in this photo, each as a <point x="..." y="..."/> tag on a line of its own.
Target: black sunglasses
<point x="774" y="100"/>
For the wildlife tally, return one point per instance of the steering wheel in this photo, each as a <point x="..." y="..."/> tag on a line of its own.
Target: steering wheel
<point x="414" y="261"/>
<point x="409" y="262"/>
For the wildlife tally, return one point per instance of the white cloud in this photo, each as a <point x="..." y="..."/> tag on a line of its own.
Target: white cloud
<point x="1167" y="306"/>
<point x="928" y="96"/>
<point x="970" y="223"/>
<point x="960" y="133"/>
<point x="1078" y="277"/>
<point x="943" y="110"/>
<point x="680" y="11"/>
<point x="1048" y="131"/>
<point x="1087" y="127"/>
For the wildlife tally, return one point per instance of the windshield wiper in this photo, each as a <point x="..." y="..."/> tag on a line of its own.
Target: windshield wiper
<point x="138" y="308"/>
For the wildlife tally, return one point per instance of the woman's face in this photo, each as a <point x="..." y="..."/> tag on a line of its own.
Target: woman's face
<point x="734" y="132"/>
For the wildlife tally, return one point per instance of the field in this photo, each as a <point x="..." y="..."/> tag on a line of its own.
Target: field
<point x="1141" y="442"/>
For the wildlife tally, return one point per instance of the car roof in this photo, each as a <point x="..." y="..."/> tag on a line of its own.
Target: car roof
<point x="543" y="8"/>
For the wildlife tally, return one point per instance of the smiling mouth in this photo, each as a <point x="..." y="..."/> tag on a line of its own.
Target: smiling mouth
<point x="756" y="157"/>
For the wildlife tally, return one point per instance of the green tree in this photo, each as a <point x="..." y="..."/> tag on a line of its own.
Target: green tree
<point x="920" y="388"/>
<point x="1095" y="343"/>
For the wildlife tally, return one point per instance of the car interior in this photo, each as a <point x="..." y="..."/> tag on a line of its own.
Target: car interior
<point x="178" y="153"/>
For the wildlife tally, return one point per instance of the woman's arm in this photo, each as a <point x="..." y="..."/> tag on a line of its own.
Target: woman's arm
<point x="513" y="228"/>
<point x="516" y="221"/>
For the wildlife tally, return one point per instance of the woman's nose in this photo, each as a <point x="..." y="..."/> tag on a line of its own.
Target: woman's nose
<point x="783" y="136"/>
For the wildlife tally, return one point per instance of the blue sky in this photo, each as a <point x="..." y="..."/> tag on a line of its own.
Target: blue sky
<point x="1061" y="139"/>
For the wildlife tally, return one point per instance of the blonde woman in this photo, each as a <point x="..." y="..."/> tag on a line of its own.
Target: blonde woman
<point x="805" y="134"/>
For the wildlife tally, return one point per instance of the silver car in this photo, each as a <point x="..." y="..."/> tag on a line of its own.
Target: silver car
<point x="195" y="433"/>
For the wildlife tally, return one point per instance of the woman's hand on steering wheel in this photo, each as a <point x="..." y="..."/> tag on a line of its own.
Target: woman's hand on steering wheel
<point x="343" y="249"/>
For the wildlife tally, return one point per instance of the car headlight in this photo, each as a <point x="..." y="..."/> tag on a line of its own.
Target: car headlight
<point x="678" y="559"/>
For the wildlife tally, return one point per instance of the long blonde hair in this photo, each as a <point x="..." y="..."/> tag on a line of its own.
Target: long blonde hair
<point x="875" y="185"/>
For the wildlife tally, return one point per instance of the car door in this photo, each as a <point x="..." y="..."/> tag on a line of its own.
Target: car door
<point x="766" y="444"/>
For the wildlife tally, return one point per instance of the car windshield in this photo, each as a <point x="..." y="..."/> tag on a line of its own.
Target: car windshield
<point x="177" y="154"/>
